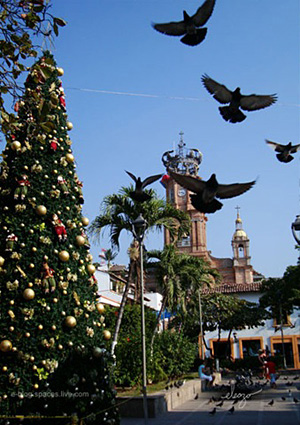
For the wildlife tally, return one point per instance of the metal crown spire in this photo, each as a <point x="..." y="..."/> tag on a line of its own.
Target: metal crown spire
<point x="182" y="160"/>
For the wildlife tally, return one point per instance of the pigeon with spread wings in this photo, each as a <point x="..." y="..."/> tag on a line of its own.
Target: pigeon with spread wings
<point x="236" y="100"/>
<point x="138" y="194"/>
<point x="189" y="26"/>
<point x="205" y="192"/>
<point x="284" y="151"/>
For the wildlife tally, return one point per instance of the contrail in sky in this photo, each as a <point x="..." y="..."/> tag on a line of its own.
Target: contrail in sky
<point x="156" y="96"/>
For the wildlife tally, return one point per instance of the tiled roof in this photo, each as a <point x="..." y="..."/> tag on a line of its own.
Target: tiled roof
<point x="233" y="288"/>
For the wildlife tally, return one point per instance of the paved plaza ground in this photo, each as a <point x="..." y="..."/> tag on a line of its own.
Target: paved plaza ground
<point x="255" y="411"/>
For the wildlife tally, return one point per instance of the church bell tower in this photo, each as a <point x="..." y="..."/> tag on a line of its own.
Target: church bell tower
<point x="241" y="254"/>
<point x="185" y="161"/>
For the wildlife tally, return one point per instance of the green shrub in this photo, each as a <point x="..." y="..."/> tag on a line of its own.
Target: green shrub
<point x="173" y="355"/>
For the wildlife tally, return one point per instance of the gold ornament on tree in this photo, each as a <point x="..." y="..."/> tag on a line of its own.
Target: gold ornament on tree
<point x="70" y="321"/>
<point x="2" y="260"/>
<point x="85" y="221"/>
<point x="64" y="256"/>
<point x="28" y="294"/>
<point x="100" y="307"/>
<point x="80" y="240"/>
<point x="69" y="125"/>
<point x="41" y="210"/>
<point x="106" y="335"/>
<point x="91" y="268"/>
<point x="60" y="72"/>
<point x="70" y="158"/>
<point x="5" y="345"/>
<point x="16" y="146"/>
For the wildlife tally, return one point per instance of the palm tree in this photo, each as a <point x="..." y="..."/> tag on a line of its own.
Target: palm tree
<point x="179" y="275"/>
<point x="118" y="211"/>
<point x="109" y="255"/>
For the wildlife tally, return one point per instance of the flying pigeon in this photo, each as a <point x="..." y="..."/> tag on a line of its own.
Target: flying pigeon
<point x="285" y="151"/>
<point x="236" y="100"/>
<point x="189" y="26"/>
<point x="138" y="194"/>
<point x="206" y="192"/>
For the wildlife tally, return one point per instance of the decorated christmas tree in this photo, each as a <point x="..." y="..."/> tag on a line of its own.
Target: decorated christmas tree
<point x="53" y="357"/>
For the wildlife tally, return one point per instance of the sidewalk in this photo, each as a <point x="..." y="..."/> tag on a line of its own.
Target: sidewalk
<point x="254" y="411"/>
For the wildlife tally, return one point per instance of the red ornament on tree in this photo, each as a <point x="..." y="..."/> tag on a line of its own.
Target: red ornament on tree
<point x="59" y="228"/>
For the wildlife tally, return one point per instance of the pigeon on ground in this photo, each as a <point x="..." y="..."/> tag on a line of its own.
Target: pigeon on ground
<point x="295" y="400"/>
<point x="271" y="403"/>
<point x="206" y="192"/>
<point x="285" y="151"/>
<point x="283" y="398"/>
<point x="296" y="378"/>
<point x="231" y="410"/>
<point x="213" y="412"/>
<point x="235" y="401"/>
<point x="236" y="100"/>
<point x="196" y="397"/>
<point x="220" y="404"/>
<point x="138" y="194"/>
<point x="189" y="26"/>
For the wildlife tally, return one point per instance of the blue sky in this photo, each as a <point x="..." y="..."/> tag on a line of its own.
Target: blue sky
<point x="109" y="45"/>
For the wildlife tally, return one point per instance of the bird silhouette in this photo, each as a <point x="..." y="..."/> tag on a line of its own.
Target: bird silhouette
<point x="295" y="400"/>
<point x="196" y="397"/>
<point x="138" y="194"/>
<point x="296" y="378"/>
<point x="285" y="151"/>
<point x="235" y="401"/>
<point x="213" y="412"/>
<point x="283" y="398"/>
<point x="231" y="410"/>
<point x="220" y="404"/>
<point x="271" y="403"/>
<point x="192" y="35"/>
<point x="236" y="100"/>
<point x="206" y="192"/>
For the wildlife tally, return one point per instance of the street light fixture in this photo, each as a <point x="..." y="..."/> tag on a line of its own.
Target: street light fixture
<point x="296" y="229"/>
<point x="139" y="227"/>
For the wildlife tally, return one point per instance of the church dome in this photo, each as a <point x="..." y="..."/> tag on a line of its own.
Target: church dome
<point x="240" y="233"/>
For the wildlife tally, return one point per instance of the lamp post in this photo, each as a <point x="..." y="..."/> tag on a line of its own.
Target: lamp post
<point x="201" y="326"/>
<point x="296" y="232"/>
<point x="138" y="229"/>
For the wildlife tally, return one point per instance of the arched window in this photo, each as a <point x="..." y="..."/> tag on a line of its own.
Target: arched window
<point x="241" y="251"/>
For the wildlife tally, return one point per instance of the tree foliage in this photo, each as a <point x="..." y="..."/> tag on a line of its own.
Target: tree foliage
<point x="281" y="294"/>
<point x="118" y="211"/>
<point x="22" y="24"/>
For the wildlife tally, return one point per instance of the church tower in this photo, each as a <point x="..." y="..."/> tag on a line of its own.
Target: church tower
<point x="185" y="161"/>
<point x="241" y="257"/>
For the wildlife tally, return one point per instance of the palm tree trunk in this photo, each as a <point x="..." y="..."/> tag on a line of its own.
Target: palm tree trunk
<point x="121" y="310"/>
